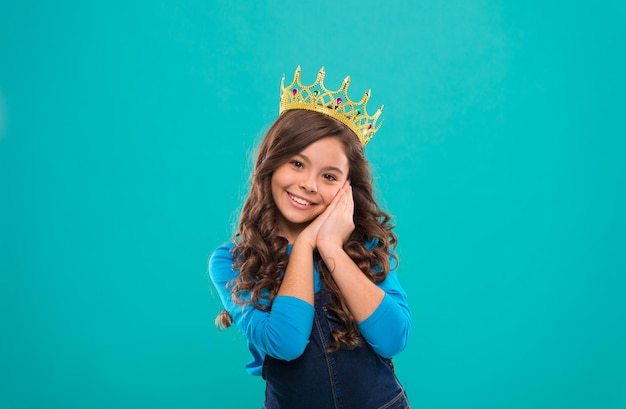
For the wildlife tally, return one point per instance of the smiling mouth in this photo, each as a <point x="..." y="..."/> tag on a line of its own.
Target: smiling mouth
<point x="300" y="200"/>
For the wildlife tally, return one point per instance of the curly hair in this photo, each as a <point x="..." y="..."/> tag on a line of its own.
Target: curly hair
<point x="260" y="253"/>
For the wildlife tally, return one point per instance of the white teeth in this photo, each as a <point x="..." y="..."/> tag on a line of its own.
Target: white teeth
<point x="299" y="200"/>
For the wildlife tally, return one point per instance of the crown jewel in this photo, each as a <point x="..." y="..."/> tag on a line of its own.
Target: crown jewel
<point x="335" y="104"/>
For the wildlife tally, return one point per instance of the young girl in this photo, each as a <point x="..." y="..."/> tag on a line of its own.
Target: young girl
<point x="310" y="275"/>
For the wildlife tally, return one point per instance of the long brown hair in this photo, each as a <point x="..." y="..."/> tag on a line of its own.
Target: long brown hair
<point x="260" y="253"/>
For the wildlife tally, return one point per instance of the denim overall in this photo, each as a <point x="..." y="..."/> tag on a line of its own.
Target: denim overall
<point x="357" y="378"/>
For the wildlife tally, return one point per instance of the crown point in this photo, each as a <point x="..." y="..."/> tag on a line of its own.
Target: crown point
<point x="345" y="83"/>
<point x="366" y="96"/>
<point x="320" y="74"/>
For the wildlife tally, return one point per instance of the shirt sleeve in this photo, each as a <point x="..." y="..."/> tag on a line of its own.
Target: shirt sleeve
<point x="283" y="332"/>
<point x="387" y="329"/>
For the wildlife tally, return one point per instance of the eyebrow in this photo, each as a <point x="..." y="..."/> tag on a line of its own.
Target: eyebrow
<point x="333" y="168"/>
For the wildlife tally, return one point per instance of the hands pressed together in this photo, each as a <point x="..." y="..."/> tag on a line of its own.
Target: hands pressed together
<point x="331" y="229"/>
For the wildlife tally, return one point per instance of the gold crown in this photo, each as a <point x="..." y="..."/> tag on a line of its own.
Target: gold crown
<point x="335" y="104"/>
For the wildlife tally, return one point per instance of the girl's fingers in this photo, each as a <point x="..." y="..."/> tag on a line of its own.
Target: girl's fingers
<point x="331" y="207"/>
<point x="346" y="196"/>
<point x="340" y="203"/>
<point x="340" y="193"/>
<point x="343" y="205"/>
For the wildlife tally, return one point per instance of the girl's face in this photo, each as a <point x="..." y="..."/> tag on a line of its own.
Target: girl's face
<point x="306" y="184"/>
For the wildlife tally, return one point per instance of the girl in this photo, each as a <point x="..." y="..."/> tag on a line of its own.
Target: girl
<point x="310" y="275"/>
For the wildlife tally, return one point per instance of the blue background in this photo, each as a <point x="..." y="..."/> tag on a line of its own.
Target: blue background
<point x="126" y="136"/>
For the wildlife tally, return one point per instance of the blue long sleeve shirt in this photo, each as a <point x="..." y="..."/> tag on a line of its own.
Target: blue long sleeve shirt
<point x="283" y="332"/>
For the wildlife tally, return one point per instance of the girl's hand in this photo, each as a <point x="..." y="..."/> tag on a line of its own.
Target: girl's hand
<point x="309" y="234"/>
<point x="339" y="223"/>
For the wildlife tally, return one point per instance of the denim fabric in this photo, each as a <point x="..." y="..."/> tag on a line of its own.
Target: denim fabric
<point x="356" y="378"/>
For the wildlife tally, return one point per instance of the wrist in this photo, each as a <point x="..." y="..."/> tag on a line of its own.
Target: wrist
<point x="330" y="249"/>
<point x="302" y="242"/>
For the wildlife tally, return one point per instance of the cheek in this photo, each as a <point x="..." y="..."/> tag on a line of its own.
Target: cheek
<point x="282" y="176"/>
<point x="277" y="179"/>
<point x="329" y="194"/>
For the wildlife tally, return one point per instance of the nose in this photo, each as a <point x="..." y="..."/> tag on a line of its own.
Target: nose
<point x="308" y="183"/>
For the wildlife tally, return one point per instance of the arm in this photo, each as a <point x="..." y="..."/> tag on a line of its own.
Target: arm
<point x="387" y="329"/>
<point x="381" y="310"/>
<point x="361" y="294"/>
<point x="283" y="332"/>
<point x="298" y="279"/>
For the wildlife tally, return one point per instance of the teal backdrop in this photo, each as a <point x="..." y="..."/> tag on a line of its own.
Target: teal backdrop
<point x="126" y="136"/>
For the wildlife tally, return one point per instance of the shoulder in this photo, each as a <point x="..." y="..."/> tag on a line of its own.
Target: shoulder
<point x="224" y="249"/>
<point x="221" y="263"/>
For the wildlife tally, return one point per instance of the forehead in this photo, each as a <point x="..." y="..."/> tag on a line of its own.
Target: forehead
<point x="327" y="152"/>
